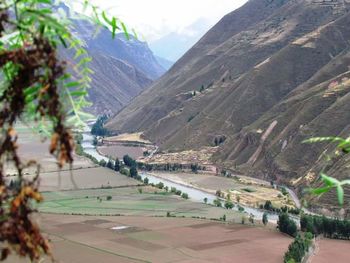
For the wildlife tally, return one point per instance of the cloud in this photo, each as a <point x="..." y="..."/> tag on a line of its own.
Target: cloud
<point x="153" y="19"/>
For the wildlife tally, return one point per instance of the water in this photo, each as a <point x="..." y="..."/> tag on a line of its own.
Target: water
<point x="195" y="195"/>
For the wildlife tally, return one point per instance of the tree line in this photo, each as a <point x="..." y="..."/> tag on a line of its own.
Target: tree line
<point x="329" y="227"/>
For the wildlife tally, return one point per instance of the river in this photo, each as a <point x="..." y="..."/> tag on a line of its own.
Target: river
<point x="195" y="195"/>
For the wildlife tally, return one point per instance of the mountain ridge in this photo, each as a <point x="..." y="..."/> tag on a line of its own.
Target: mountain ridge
<point x="263" y="80"/>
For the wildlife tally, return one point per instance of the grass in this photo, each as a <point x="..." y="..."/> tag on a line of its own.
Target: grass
<point x="128" y="201"/>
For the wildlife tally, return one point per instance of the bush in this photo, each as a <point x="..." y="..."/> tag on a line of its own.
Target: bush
<point x="298" y="249"/>
<point x="217" y="202"/>
<point x="205" y="200"/>
<point x="173" y="190"/>
<point x="139" y="190"/>
<point x="184" y="196"/>
<point x="160" y="185"/>
<point x="284" y="191"/>
<point x="109" y="198"/>
<point x="102" y="163"/>
<point x="178" y="192"/>
<point x="229" y="204"/>
<point x="146" y="181"/>
<point x="125" y="171"/>
<point x="240" y="208"/>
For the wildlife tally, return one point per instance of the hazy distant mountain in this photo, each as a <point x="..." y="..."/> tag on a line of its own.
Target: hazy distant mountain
<point x="175" y="44"/>
<point x="274" y="73"/>
<point x="122" y="68"/>
<point x="167" y="64"/>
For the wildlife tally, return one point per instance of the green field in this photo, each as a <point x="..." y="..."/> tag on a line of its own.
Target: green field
<point x="128" y="201"/>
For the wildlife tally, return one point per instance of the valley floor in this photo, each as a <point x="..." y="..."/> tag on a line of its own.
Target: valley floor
<point x="155" y="239"/>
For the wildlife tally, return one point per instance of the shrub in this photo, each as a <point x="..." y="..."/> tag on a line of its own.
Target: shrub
<point x="146" y="181"/>
<point x="109" y="198"/>
<point x="160" y="185"/>
<point x="178" y="192"/>
<point x="228" y="204"/>
<point x="297" y="250"/>
<point x="217" y="202"/>
<point x="125" y="171"/>
<point x="184" y="196"/>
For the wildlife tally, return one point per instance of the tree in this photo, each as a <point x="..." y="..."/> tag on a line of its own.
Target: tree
<point x="37" y="89"/>
<point x="265" y="219"/>
<point x="103" y="163"/>
<point x="110" y="164"/>
<point x="217" y="202"/>
<point x="205" y="200"/>
<point x="160" y="185"/>
<point x="268" y="205"/>
<point x="184" y="196"/>
<point x="228" y="204"/>
<point x="287" y="225"/>
<point x="98" y="129"/>
<point x="128" y="161"/>
<point x="133" y="172"/>
<point x="146" y="181"/>
<point x="194" y="168"/>
<point x="117" y="165"/>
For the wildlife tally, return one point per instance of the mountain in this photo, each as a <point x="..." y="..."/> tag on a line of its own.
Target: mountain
<point x="167" y="64"/>
<point x="122" y="68"/>
<point x="274" y="73"/>
<point x="175" y="44"/>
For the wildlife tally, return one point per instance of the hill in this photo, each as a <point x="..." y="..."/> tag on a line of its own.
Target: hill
<point x="122" y="68"/>
<point x="264" y="78"/>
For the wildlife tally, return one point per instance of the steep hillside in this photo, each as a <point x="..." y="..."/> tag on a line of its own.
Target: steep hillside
<point x="267" y="76"/>
<point x="122" y="68"/>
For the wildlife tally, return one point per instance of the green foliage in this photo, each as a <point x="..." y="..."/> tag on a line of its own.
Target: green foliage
<point x="109" y="198"/>
<point x="330" y="182"/>
<point x="98" y="129"/>
<point x="287" y="225"/>
<point x="110" y="164"/>
<point x="228" y="204"/>
<point x="133" y="172"/>
<point x="128" y="161"/>
<point x="117" y="165"/>
<point x="103" y="163"/>
<point x="298" y="249"/>
<point x="160" y="185"/>
<point x="194" y="168"/>
<point x="205" y="200"/>
<point x="125" y="171"/>
<point x="265" y="219"/>
<point x="184" y="195"/>
<point x="217" y="202"/>
<point x="329" y="227"/>
<point x="146" y="181"/>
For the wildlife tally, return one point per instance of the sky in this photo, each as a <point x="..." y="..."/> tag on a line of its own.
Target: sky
<point x="153" y="19"/>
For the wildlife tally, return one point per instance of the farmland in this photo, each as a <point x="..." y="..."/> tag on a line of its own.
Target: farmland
<point x="251" y="192"/>
<point x="156" y="239"/>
